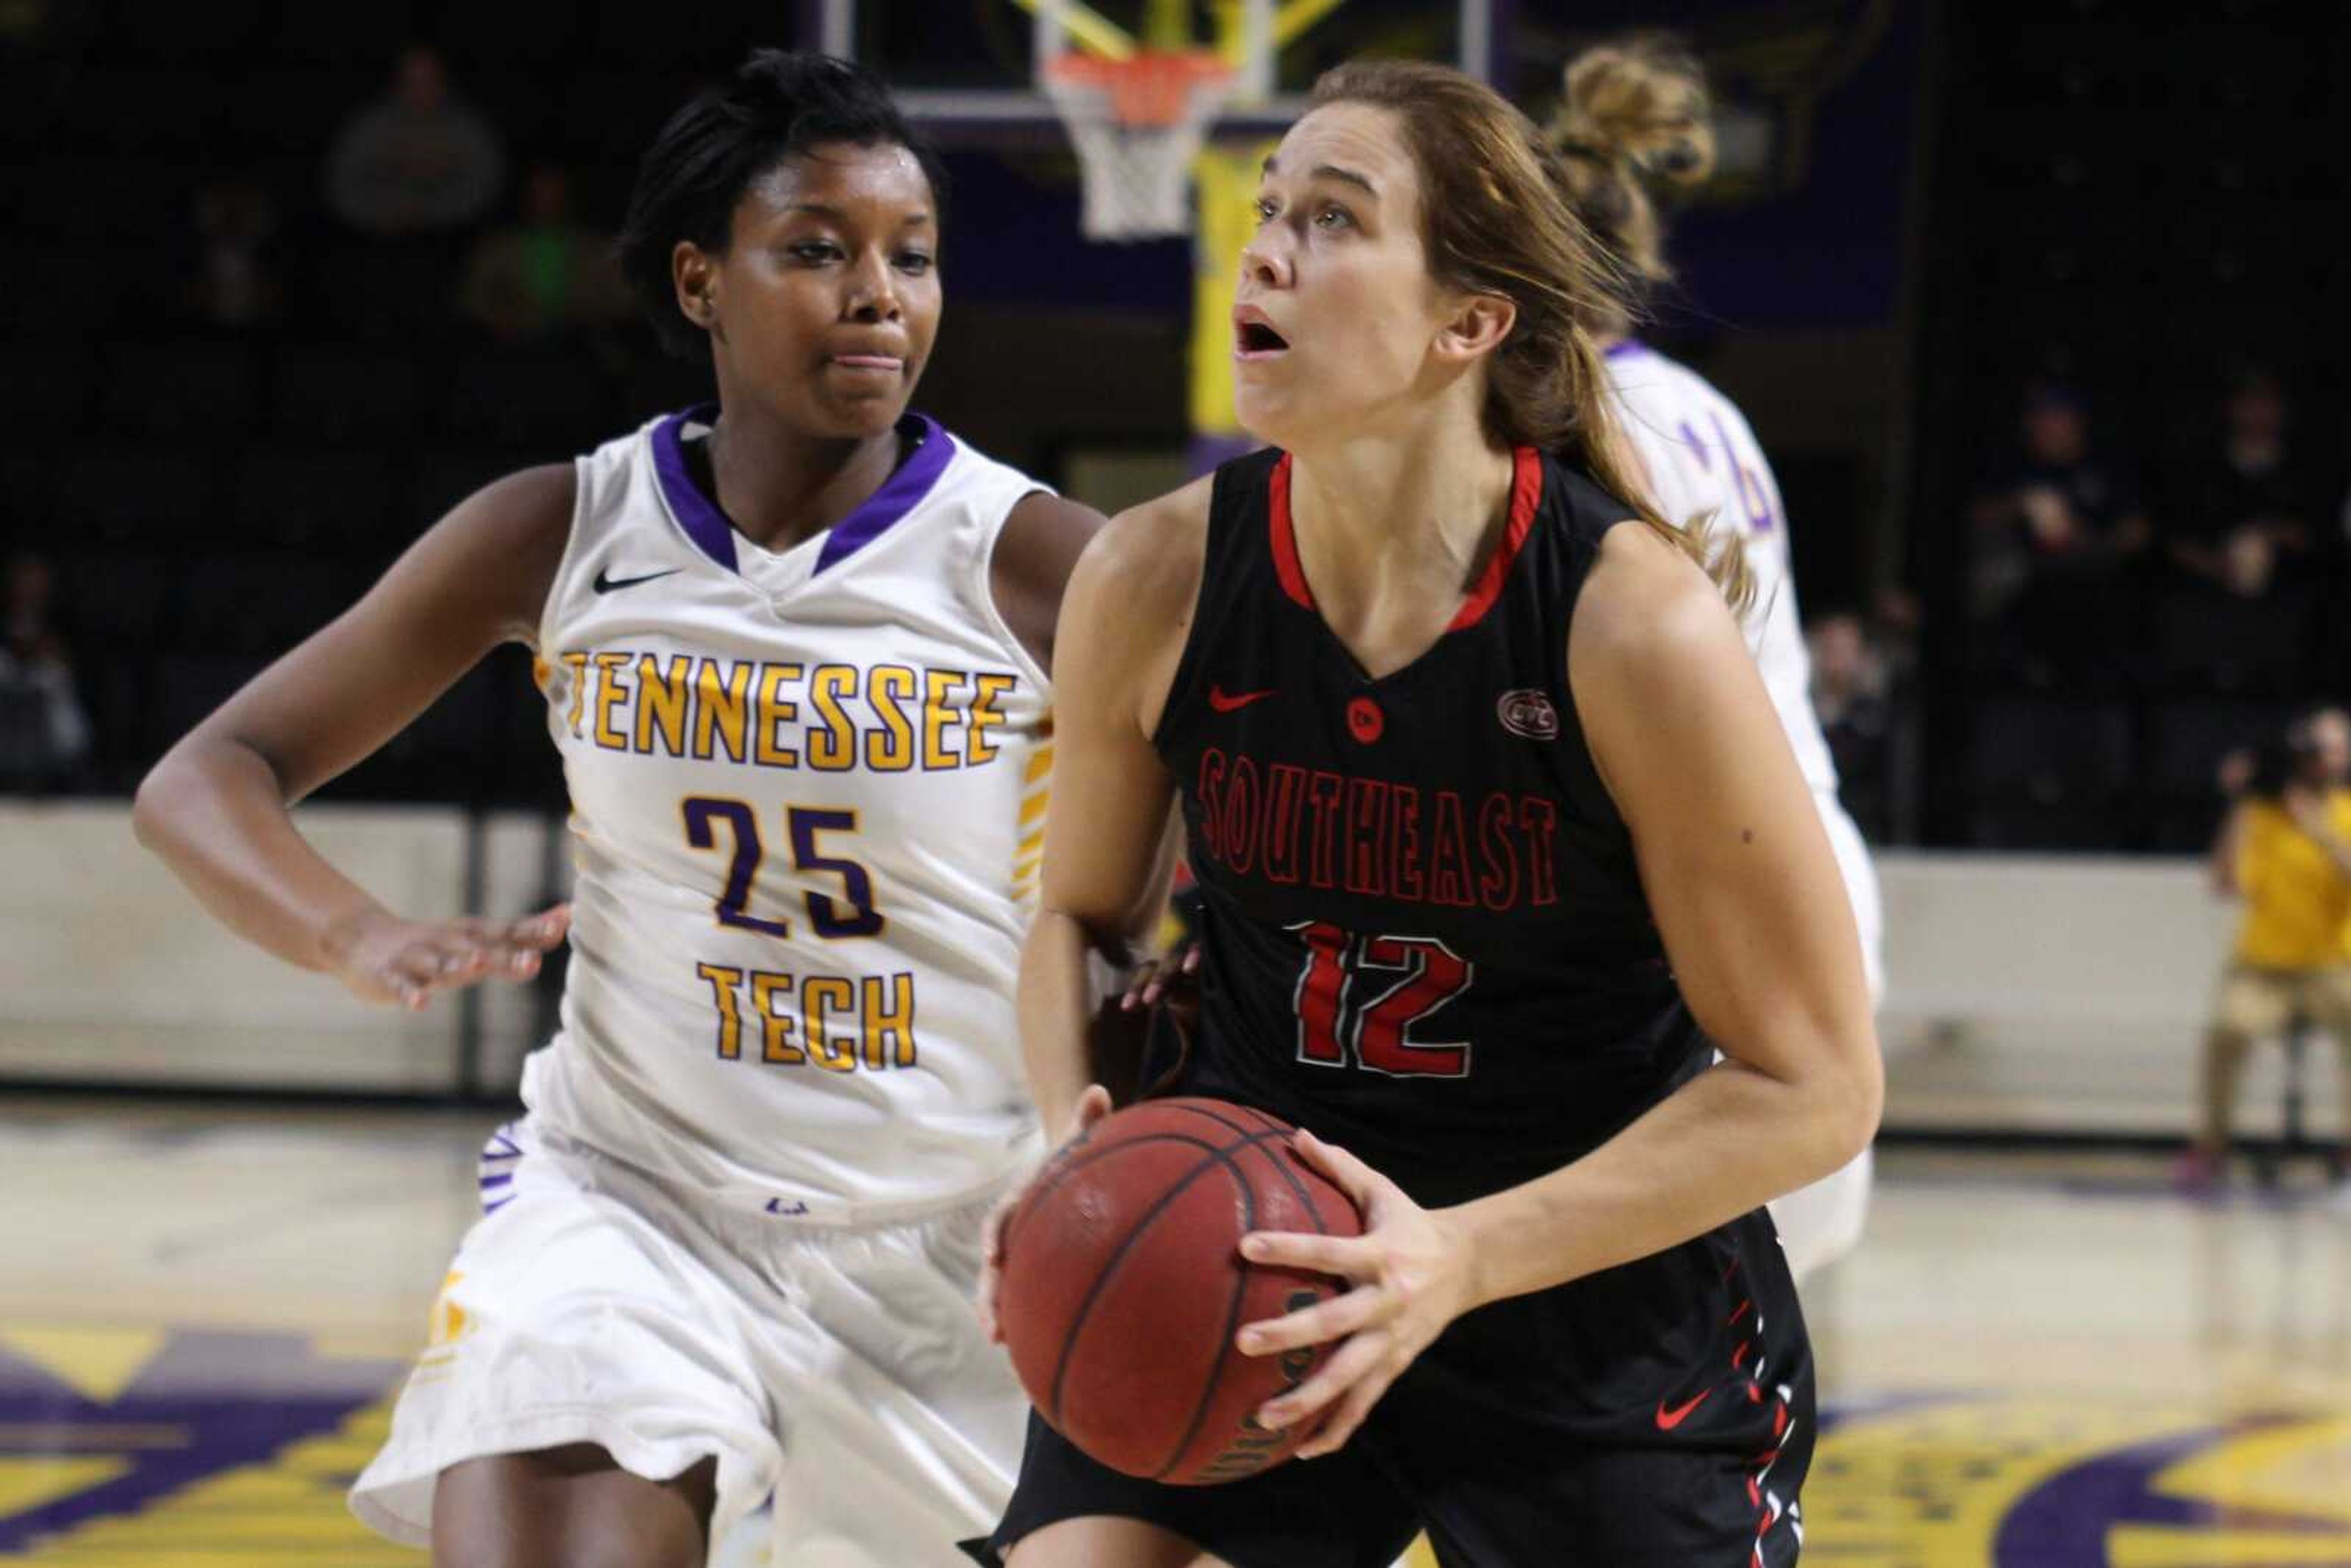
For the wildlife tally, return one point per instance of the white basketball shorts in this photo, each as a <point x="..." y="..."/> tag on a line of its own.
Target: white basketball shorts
<point x="839" y="1368"/>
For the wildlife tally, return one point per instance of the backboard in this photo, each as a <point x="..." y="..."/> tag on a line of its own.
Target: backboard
<point x="977" y="63"/>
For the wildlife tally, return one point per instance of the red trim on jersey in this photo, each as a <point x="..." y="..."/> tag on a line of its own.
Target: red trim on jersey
<point x="1285" y="538"/>
<point x="1526" y="494"/>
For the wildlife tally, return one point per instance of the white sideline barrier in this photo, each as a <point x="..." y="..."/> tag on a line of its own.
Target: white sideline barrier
<point x="110" y="971"/>
<point x="2024" y="994"/>
<point x="2063" y="994"/>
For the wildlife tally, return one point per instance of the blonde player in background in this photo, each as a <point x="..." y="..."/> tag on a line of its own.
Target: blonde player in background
<point x="1637" y="117"/>
<point x="795" y="649"/>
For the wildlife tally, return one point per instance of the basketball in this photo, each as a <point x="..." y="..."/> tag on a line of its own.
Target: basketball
<point x="1124" y="1286"/>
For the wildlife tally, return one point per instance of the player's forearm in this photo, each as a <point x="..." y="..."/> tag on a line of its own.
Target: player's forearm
<point x="213" y="813"/>
<point x="1056" y="1004"/>
<point x="1728" y="1141"/>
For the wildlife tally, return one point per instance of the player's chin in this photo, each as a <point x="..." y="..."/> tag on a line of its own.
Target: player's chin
<point x="1269" y="414"/>
<point x="862" y="412"/>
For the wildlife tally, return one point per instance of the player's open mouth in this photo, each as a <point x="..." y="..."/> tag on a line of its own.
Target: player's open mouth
<point x="1254" y="336"/>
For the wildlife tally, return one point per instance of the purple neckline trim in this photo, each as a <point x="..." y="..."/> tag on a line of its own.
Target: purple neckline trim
<point x="697" y="513"/>
<point x="1624" y="348"/>
<point x="899" y="494"/>
<point x="707" y="527"/>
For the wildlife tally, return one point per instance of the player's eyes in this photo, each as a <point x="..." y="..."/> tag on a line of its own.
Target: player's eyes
<point x="1332" y="217"/>
<point x="814" y="250"/>
<point x="916" y="262"/>
<point x="1265" y="209"/>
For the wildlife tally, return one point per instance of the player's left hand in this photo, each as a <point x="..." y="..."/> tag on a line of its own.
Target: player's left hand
<point x="1411" y="1275"/>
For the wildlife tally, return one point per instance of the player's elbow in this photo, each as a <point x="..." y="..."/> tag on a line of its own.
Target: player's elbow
<point x="1851" y="1099"/>
<point x="152" y="807"/>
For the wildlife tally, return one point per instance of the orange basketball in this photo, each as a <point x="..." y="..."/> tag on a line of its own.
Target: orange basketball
<point x="1124" y="1286"/>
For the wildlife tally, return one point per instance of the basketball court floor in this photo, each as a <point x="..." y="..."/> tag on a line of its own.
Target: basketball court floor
<point x="2041" y="1362"/>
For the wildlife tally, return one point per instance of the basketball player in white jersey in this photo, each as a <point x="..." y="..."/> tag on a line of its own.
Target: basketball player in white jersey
<point x="1636" y="114"/>
<point x="794" y="647"/>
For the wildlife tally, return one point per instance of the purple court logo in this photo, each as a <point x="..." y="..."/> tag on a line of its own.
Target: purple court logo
<point x="1528" y="712"/>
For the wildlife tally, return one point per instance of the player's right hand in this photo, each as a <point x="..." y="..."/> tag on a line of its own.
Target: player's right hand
<point x="380" y="957"/>
<point x="1092" y="1107"/>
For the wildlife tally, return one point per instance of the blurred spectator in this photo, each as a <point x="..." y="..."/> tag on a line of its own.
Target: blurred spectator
<point x="232" y="279"/>
<point x="2285" y="849"/>
<point x="2057" y="527"/>
<point x="44" y="734"/>
<point x="2243" y="517"/>
<point x="546" y="274"/>
<point x="416" y="161"/>
<point x="1852" y="696"/>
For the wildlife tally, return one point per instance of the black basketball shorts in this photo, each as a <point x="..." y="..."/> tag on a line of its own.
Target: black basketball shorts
<point x="1659" y="1414"/>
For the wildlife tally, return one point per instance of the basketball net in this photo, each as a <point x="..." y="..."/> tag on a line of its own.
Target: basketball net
<point x="1137" y="124"/>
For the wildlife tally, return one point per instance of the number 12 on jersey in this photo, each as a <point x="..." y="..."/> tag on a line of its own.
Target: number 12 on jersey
<point x="1359" y="996"/>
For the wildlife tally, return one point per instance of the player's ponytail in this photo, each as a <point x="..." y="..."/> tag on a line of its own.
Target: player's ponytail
<point x="1498" y="221"/>
<point x="1636" y="117"/>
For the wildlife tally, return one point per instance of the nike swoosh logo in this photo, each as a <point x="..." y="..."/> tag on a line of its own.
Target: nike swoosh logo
<point x="607" y="584"/>
<point x="1224" y="701"/>
<point x="1667" y="1419"/>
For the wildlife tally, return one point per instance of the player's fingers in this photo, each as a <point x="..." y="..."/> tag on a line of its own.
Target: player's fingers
<point x="458" y="958"/>
<point x="984" y="1301"/>
<point x="1092" y="1106"/>
<point x="1359" y="1181"/>
<point x="464" y="960"/>
<point x="548" y="927"/>
<point x="1192" y="960"/>
<point x="1348" y="1257"/>
<point x="413" y="975"/>
<point x="1343" y="1421"/>
<point x="1335" y="1318"/>
<point x="535" y="933"/>
<point x="1348" y="1365"/>
<point x="1141" y="988"/>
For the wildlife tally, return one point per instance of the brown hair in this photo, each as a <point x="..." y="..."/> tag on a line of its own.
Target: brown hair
<point x="1495" y="219"/>
<point x="1637" y="117"/>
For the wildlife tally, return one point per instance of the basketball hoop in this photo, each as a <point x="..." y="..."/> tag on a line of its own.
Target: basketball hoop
<point x="1137" y="124"/>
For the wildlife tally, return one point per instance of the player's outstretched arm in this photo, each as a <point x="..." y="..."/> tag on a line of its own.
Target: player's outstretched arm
<point x="1110" y="844"/>
<point x="1747" y="896"/>
<point x="215" y="807"/>
<point x="1109" y="847"/>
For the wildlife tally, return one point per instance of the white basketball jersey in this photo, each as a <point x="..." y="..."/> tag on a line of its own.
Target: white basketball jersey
<point x="808" y="806"/>
<point x="1703" y="460"/>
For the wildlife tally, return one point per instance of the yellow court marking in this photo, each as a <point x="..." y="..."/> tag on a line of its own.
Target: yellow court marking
<point x="2303" y="1468"/>
<point x="98" y="1364"/>
<point x="1422" y="1555"/>
<point x="2153" y="1546"/>
<point x="1928" y="1488"/>
<point x="31" y="1483"/>
<point x="286" y="1511"/>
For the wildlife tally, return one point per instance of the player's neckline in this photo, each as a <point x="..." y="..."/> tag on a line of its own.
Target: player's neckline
<point x="927" y="453"/>
<point x="1526" y="498"/>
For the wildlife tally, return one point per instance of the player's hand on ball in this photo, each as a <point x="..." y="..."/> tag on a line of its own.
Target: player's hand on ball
<point x="1092" y="1107"/>
<point x="381" y="957"/>
<point x="1411" y="1275"/>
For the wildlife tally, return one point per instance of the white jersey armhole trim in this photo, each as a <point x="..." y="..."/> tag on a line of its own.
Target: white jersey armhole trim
<point x="982" y="584"/>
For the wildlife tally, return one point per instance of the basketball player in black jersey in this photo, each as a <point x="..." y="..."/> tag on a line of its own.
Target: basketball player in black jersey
<point x="1499" y="839"/>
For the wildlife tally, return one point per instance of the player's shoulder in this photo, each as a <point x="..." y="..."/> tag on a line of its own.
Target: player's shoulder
<point x="1647" y="610"/>
<point x="1148" y="557"/>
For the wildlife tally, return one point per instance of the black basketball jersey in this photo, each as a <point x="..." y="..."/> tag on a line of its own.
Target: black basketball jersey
<point x="1425" y="938"/>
